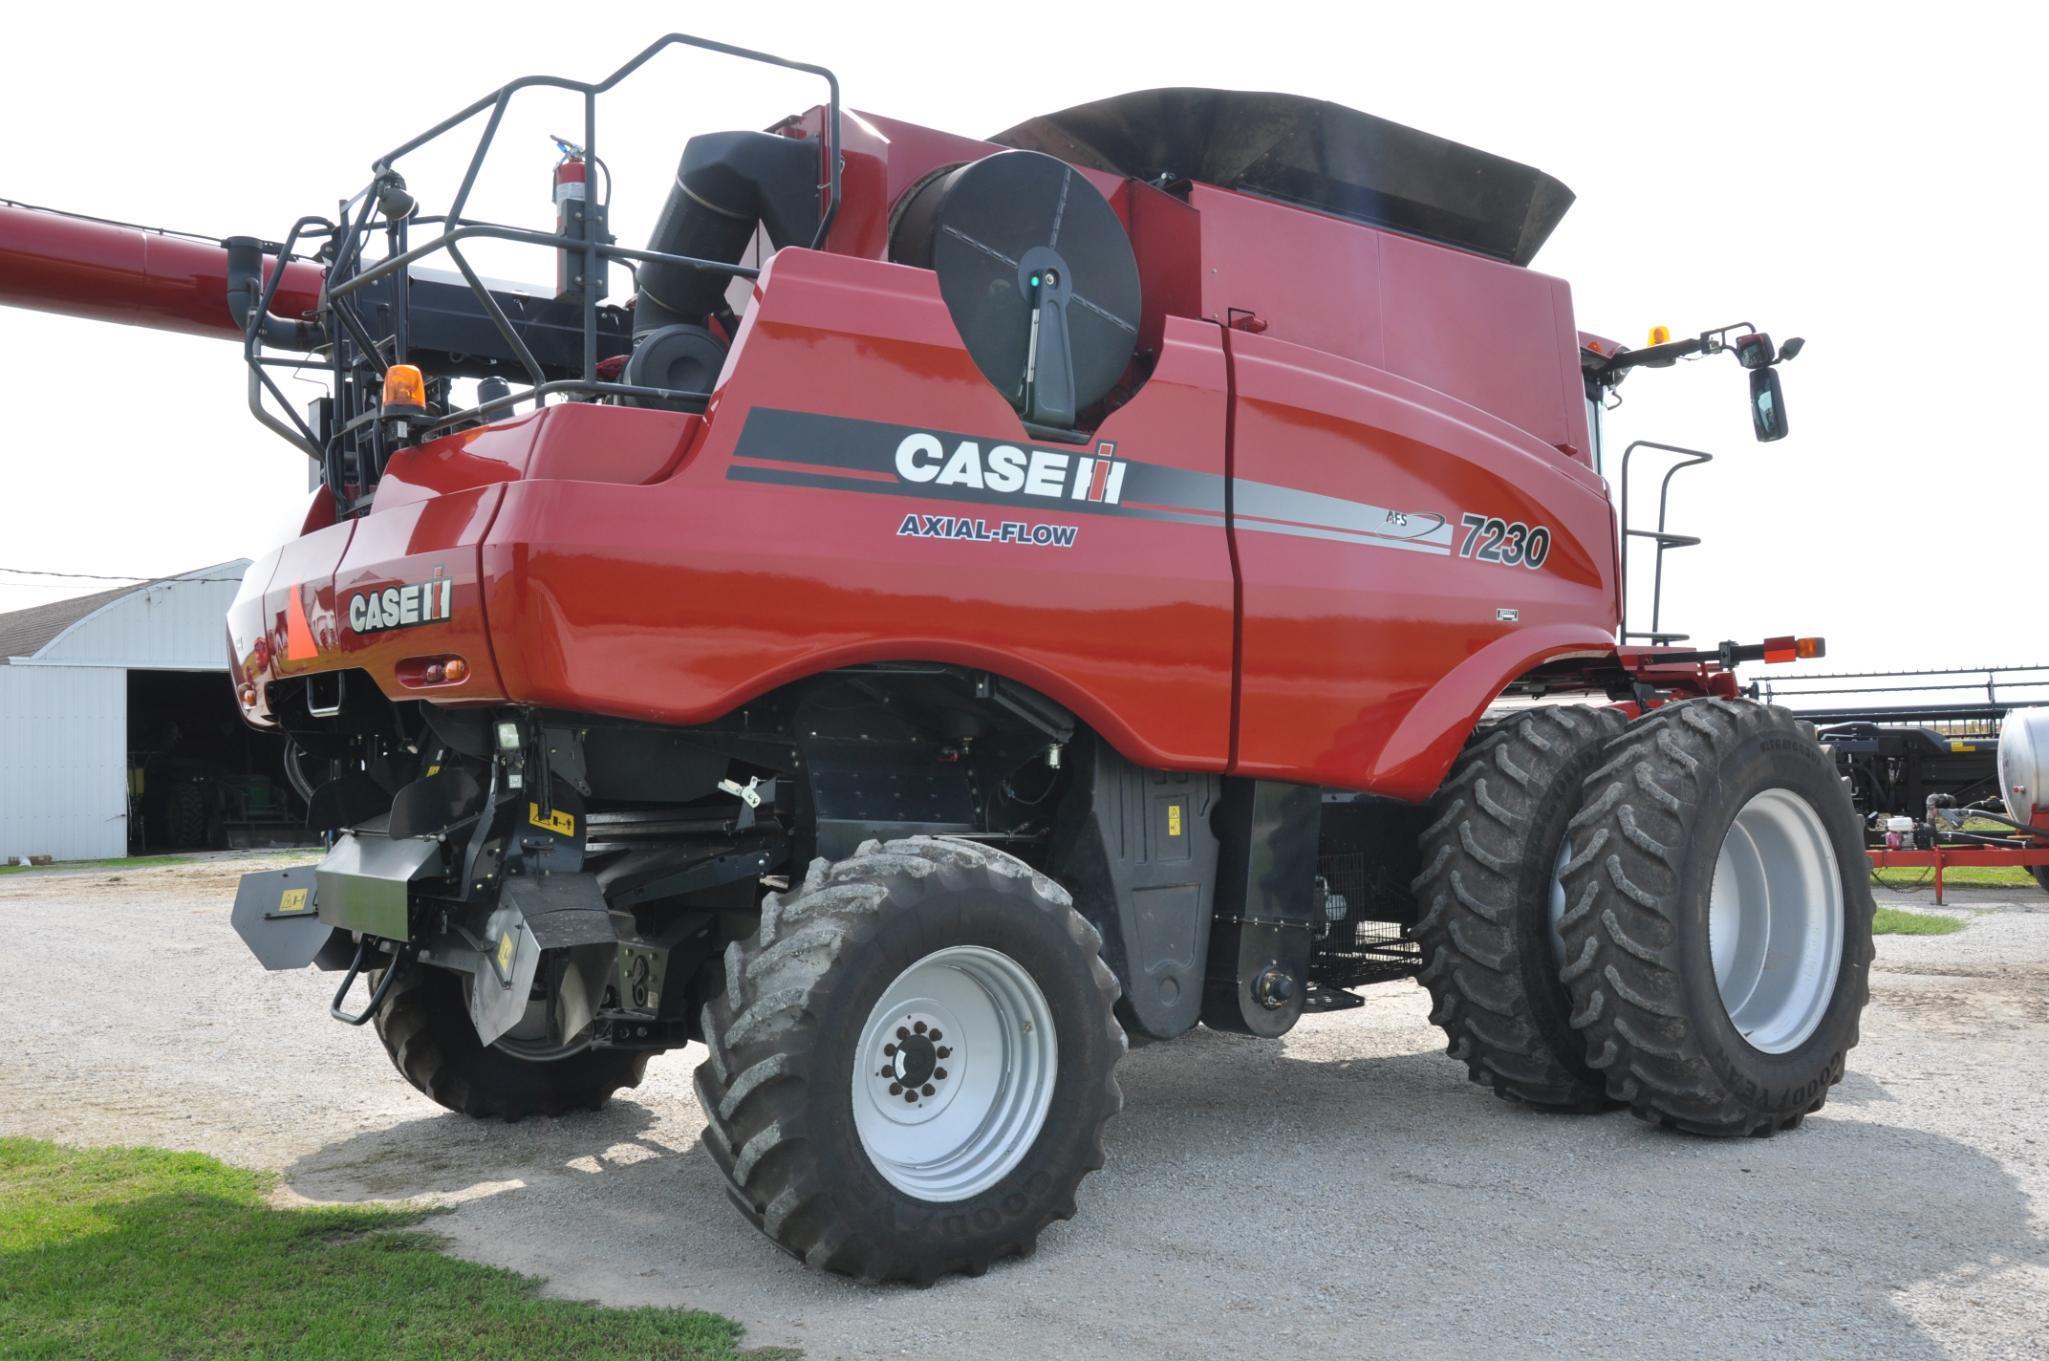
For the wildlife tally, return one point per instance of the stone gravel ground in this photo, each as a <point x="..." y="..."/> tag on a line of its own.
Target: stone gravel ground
<point x="1342" y="1193"/>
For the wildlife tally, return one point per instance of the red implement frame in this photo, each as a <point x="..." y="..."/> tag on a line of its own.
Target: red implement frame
<point x="1883" y="858"/>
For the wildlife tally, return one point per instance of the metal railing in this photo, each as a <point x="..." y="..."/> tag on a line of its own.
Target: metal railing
<point x="358" y="356"/>
<point x="1665" y="540"/>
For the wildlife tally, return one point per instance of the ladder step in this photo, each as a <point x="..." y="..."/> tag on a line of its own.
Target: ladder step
<point x="1664" y="540"/>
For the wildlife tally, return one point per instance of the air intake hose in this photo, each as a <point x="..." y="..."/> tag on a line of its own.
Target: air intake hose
<point x="727" y="182"/>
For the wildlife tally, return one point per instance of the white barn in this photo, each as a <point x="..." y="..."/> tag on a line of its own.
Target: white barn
<point x="76" y="677"/>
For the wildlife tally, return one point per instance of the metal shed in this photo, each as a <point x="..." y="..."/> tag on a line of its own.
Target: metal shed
<point x="117" y="728"/>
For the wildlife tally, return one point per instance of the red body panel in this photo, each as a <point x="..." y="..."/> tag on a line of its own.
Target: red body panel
<point x="1368" y="655"/>
<point x="1272" y="560"/>
<point x="677" y="602"/>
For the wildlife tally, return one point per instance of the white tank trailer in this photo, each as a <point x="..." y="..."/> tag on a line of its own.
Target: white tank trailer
<point x="2024" y="765"/>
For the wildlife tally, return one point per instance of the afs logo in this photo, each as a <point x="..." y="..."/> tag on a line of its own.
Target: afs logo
<point x="1005" y="468"/>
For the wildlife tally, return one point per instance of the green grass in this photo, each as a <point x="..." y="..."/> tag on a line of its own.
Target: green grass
<point x="120" y="1253"/>
<point x="1962" y="876"/>
<point x="132" y="862"/>
<point x="1894" y="921"/>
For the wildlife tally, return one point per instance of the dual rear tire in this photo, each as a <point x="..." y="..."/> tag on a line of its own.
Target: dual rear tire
<point x="1669" y="914"/>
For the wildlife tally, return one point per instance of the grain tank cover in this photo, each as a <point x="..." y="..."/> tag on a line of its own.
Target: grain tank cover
<point x="1313" y="154"/>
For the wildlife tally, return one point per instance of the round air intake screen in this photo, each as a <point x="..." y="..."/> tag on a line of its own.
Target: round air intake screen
<point x="1023" y="243"/>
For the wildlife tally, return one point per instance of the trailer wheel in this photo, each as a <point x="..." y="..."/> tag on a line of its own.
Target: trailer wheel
<point x="2041" y="873"/>
<point x="1718" y="928"/>
<point x="426" y="1029"/>
<point x="912" y="1061"/>
<point x="1491" y="901"/>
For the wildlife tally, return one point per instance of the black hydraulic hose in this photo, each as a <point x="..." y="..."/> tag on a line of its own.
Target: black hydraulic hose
<point x="245" y="288"/>
<point x="2035" y="832"/>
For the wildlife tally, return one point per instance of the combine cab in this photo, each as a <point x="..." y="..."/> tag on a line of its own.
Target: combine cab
<point x="978" y="601"/>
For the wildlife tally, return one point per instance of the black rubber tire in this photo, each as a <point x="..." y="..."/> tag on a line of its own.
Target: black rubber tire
<point x="1636" y="925"/>
<point x="426" y="1029"/>
<point x="2041" y="873"/>
<point x="1489" y="959"/>
<point x="185" y="818"/>
<point x="776" y="1090"/>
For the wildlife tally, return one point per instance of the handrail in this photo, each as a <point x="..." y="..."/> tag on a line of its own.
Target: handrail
<point x="1664" y="540"/>
<point x="356" y="357"/>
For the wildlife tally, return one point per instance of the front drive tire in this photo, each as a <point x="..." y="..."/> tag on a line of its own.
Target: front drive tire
<point x="1490" y="862"/>
<point x="834" y="1002"/>
<point x="427" y="1031"/>
<point x="1718" y="920"/>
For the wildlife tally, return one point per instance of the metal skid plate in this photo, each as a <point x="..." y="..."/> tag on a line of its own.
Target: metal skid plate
<point x="365" y="883"/>
<point x="275" y="917"/>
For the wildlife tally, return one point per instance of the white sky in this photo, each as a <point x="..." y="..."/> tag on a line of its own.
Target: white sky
<point x="1869" y="182"/>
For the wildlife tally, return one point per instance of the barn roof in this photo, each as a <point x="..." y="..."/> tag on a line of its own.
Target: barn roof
<point x="26" y="633"/>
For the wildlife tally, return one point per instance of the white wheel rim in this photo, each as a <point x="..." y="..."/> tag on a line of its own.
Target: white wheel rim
<point x="1557" y="902"/>
<point x="1775" y="921"/>
<point x="947" y="1118"/>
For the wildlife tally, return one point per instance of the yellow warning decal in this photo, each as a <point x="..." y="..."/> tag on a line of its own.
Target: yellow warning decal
<point x="505" y="953"/>
<point x="1173" y="819"/>
<point x="558" y="822"/>
<point x="433" y="770"/>
<point x="294" y="900"/>
<point x="1963" y="746"/>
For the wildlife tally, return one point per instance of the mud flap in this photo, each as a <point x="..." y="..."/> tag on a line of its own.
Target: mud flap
<point x="564" y="912"/>
<point x="276" y="918"/>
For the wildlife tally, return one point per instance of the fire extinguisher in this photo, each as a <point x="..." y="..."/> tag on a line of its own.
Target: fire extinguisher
<point x="575" y="215"/>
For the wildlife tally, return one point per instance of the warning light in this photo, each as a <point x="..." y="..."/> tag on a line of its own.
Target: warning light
<point x="405" y="391"/>
<point x="1660" y="335"/>
<point x="1794" y="649"/>
<point x="421" y="671"/>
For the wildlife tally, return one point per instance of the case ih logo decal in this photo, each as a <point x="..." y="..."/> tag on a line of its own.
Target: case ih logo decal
<point x="922" y="457"/>
<point x="803" y="449"/>
<point x="398" y="607"/>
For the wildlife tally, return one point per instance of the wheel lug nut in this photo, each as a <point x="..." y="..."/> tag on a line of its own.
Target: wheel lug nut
<point x="939" y="1075"/>
<point x="896" y="1089"/>
<point x="919" y="1027"/>
<point x="927" y="1089"/>
<point x="935" y="1036"/>
<point x="902" y="1034"/>
<point x="889" y="1051"/>
<point x="945" y="1052"/>
<point x="911" y="1097"/>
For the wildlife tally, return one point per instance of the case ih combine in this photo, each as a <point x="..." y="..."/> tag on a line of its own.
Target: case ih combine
<point x="979" y="601"/>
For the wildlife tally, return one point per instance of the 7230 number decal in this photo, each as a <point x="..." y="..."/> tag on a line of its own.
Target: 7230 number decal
<point x="1489" y="538"/>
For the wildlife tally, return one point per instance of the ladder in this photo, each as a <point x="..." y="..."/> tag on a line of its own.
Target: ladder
<point x="1665" y="540"/>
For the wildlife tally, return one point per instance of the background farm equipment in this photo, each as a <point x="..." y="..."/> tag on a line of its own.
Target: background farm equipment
<point x="1942" y="776"/>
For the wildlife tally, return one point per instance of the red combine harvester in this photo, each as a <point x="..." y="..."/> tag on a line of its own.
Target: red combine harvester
<point x="976" y="602"/>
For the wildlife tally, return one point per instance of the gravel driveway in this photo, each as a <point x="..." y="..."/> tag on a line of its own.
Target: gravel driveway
<point x="1342" y="1193"/>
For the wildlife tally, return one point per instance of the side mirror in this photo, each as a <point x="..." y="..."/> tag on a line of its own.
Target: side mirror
<point x="1767" y="405"/>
